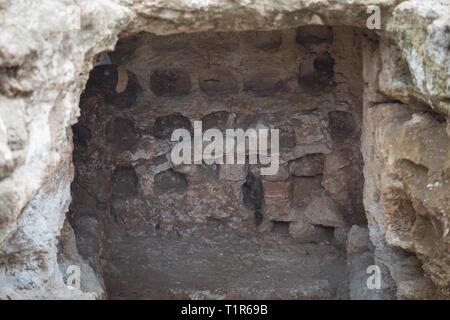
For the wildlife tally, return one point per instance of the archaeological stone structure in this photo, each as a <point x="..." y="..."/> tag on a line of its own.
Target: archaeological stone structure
<point x="92" y="205"/>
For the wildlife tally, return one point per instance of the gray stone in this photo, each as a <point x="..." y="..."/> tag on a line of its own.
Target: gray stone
<point x="357" y="240"/>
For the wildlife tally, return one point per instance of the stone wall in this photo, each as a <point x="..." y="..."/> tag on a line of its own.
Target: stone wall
<point x="44" y="65"/>
<point x="300" y="81"/>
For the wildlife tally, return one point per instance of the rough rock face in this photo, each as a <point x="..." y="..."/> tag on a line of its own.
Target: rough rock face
<point x="45" y="61"/>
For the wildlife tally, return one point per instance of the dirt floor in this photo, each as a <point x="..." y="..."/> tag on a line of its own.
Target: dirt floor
<point x="219" y="264"/>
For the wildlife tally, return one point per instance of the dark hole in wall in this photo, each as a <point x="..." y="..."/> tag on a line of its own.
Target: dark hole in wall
<point x="253" y="196"/>
<point x="280" y="227"/>
<point x="82" y="134"/>
<point x="324" y="64"/>
<point x="165" y="125"/>
<point x="118" y="86"/>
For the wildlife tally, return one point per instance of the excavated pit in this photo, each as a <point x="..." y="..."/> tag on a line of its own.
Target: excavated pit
<point x="152" y="229"/>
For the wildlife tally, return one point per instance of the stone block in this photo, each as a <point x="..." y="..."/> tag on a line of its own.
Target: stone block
<point x="232" y="172"/>
<point x="303" y="188"/>
<point x="276" y="189"/>
<point x="309" y="128"/>
<point x="357" y="240"/>
<point x="322" y="210"/>
<point x="276" y="199"/>
<point x="304" y="231"/>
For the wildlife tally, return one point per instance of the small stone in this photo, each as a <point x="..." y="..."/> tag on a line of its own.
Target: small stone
<point x="276" y="208"/>
<point x="217" y="81"/>
<point x="309" y="165"/>
<point x="304" y="231"/>
<point x="357" y="240"/>
<point x="232" y="172"/>
<point x="170" y="83"/>
<point x="322" y="210"/>
<point x="170" y="182"/>
<point x="276" y="199"/>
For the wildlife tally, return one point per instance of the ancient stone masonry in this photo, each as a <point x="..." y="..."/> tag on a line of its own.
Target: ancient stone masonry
<point x="86" y="177"/>
<point x="226" y="80"/>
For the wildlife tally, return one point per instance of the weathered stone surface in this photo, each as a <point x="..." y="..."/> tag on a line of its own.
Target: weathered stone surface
<point x="302" y="230"/>
<point x="170" y="83"/>
<point x="323" y="211"/>
<point x="314" y="35"/>
<point x="232" y="172"/>
<point x="277" y="203"/>
<point x="342" y="125"/>
<point x="309" y="165"/>
<point x="264" y="40"/>
<point x="282" y="174"/>
<point x="218" y="81"/>
<point x="357" y="240"/>
<point x="309" y="128"/>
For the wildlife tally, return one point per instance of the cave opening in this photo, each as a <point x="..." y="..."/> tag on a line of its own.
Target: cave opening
<point x="154" y="230"/>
